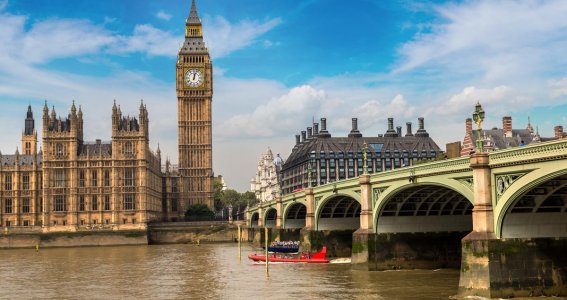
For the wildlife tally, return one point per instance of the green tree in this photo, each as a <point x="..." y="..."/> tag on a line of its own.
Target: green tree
<point x="217" y="196"/>
<point x="199" y="211"/>
<point x="248" y="198"/>
<point x="230" y="197"/>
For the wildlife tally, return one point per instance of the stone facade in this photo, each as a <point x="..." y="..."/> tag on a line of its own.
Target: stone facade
<point x="266" y="183"/>
<point x="194" y="84"/>
<point x="72" y="184"/>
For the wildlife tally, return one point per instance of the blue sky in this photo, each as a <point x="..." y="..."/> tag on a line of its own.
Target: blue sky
<point x="279" y="64"/>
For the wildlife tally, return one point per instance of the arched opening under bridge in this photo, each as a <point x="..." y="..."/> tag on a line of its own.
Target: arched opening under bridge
<point x="339" y="213"/>
<point x="271" y="216"/>
<point x="295" y="216"/>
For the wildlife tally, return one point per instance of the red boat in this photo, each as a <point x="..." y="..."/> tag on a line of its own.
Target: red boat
<point x="316" y="258"/>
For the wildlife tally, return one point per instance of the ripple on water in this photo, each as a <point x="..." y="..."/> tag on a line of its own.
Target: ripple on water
<point x="211" y="271"/>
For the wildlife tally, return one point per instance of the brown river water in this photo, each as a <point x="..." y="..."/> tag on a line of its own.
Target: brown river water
<point x="209" y="271"/>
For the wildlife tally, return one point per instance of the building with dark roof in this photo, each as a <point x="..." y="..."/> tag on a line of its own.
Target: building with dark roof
<point x="336" y="158"/>
<point x="503" y="138"/>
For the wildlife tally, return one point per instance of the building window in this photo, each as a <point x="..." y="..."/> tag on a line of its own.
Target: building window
<point x="8" y="224"/>
<point x="129" y="177"/>
<point x="106" y="202"/>
<point x="59" y="150"/>
<point x="81" y="178"/>
<point x="124" y="221"/>
<point x="133" y="221"/>
<point x="106" y="177"/>
<point x="81" y="203"/>
<point x="26" y="182"/>
<point x="60" y="204"/>
<point x="8" y="182"/>
<point x="173" y="204"/>
<point x="40" y="205"/>
<point x="60" y="178"/>
<point x="94" y="222"/>
<point x="94" y="203"/>
<point x="8" y="206"/>
<point x="128" y="149"/>
<point x="25" y="205"/>
<point x="54" y="222"/>
<point x="129" y="202"/>
<point x="26" y="223"/>
<point x="94" y="178"/>
<point x="82" y="222"/>
<point x="64" y="222"/>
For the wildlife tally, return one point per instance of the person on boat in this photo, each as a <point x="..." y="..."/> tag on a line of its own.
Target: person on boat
<point x="308" y="254"/>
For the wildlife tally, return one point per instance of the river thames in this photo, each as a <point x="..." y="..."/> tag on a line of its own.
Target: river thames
<point x="209" y="271"/>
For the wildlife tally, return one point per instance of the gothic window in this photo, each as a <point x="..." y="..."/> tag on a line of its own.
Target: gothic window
<point x="129" y="202"/>
<point x="25" y="205"/>
<point x="94" y="202"/>
<point x="94" y="178"/>
<point x="8" y="182"/>
<point x="40" y="205"/>
<point x="28" y="148"/>
<point x="106" y="202"/>
<point x="26" y="182"/>
<point x="60" y="204"/>
<point x="129" y="177"/>
<point x="59" y="150"/>
<point x="8" y="206"/>
<point x="106" y="177"/>
<point x="128" y="148"/>
<point x="60" y="178"/>
<point x="173" y="204"/>
<point x="81" y="203"/>
<point x="81" y="178"/>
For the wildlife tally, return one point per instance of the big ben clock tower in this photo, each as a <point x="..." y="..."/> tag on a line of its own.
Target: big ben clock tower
<point x="194" y="97"/>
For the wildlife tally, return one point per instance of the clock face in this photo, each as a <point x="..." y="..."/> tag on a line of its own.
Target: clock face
<point x="194" y="78"/>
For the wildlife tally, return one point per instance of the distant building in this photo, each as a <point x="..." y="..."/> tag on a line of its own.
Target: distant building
<point x="336" y="158"/>
<point x="266" y="183"/>
<point x="502" y="138"/>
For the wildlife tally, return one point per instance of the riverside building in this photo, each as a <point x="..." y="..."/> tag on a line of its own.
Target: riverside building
<point x="69" y="184"/>
<point x="330" y="159"/>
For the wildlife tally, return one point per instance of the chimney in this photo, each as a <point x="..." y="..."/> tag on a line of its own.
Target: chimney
<point x="399" y="130"/>
<point x="303" y="138"/>
<point x="324" y="133"/>
<point x="558" y="130"/>
<point x="391" y="132"/>
<point x="309" y="132"/>
<point x="468" y="126"/>
<point x="354" y="133"/>
<point x="507" y="126"/>
<point x="421" y="132"/>
<point x="297" y="139"/>
<point x="315" y="129"/>
<point x="408" y="129"/>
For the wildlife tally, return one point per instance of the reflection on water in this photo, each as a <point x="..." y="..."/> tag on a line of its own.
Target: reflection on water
<point x="211" y="271"/>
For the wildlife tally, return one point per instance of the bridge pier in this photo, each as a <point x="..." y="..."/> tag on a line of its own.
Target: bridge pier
<point x="364" y="239"/>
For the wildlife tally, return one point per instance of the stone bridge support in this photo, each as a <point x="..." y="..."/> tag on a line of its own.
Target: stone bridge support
<point x="258" y="233"/>
<point x="364" y="239"/>
<point x="308" y="234"/>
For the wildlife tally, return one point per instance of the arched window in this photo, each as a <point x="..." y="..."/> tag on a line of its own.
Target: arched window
<point x="128" y="148"/>
<point x="59" y="149"/>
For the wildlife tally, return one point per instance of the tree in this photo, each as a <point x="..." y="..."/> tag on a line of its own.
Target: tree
<point x="199" y="212"/>
<point x="218" y="192"/>
<point x="230" y="197"/>
<point x="248" y="199"/>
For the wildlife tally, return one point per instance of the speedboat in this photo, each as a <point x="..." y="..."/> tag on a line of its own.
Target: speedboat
<point x="319" y="257"/>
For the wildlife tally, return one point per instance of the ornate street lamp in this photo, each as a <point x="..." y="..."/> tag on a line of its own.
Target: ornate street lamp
<point x="365" y="158"/>
<point x="478" y="117"/>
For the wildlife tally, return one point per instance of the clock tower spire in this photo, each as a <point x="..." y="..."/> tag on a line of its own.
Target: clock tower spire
<point x="194" y="85"/>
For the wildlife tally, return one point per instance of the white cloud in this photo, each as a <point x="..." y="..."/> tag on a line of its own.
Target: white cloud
<point x="375" y="112"/>
<point x="558" y="87"/>
<point x="497" y="40"/>
<point x="223" y="37"/>
<point x="278" y="116"/>
<point x="148" y="39"/>
<point x="464" y="101"/>
<point x="163" y="15"/>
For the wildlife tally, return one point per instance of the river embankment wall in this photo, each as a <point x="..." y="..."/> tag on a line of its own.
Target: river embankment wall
<point x="160" y="233"/>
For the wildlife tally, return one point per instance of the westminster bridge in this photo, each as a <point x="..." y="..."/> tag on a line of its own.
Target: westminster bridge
<point x="500" y="216"/>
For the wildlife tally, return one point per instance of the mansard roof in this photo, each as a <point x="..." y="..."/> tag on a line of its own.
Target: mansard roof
<point x="376" y="146"/>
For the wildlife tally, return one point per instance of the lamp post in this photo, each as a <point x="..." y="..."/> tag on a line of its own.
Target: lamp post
<point x="478" y="117"/>
<point x="365" y="158"/>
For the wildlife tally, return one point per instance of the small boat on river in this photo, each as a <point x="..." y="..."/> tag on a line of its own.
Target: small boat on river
<point x="319" y="257"/>
<point x="283" y="247"/>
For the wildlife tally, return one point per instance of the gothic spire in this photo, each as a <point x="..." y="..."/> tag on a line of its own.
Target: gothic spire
<point x="193" y="15"/>
<point x="29" y="124"/>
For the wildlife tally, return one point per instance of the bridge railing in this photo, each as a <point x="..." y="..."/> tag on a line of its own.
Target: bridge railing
<point x="530" y="153"/>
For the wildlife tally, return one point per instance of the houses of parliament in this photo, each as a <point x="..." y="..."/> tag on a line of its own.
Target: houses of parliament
<point x="69" y="184"/>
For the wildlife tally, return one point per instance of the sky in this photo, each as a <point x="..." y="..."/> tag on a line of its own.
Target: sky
<point x="279" y="65"/>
